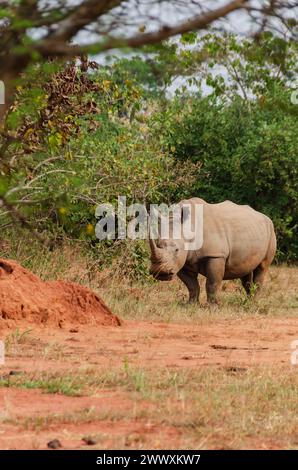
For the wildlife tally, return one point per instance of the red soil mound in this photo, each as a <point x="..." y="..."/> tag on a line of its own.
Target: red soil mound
<point x="24" y="296"/>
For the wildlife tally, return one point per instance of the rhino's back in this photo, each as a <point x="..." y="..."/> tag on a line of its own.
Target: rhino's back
<point x="237" y="233"/>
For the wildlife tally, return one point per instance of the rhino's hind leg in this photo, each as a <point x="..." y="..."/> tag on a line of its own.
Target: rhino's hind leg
<point x="247" y="282"/>
<point x="191" y="281"/>
<point x="259" y="275"/>
<point x="215" y="269"/>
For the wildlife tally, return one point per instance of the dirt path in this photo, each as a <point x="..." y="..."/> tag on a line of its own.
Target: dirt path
<point x="233" y="345"/>
<point x="242" y="342"/>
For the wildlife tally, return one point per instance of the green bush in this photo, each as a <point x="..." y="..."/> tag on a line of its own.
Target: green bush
<point x="76" y="139"/>
<point x="76" y="152"/>
<point x="246" y="151"/>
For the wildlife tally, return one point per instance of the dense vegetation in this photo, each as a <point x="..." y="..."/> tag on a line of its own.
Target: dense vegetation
<point x="81" y="134"/>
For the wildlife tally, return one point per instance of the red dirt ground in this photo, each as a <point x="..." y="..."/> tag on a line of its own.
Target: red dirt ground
<point x="241" y="342"/>
<point x="233" y="345"/>
<point x="23" y="296"/>
<point x="98" y="342"/>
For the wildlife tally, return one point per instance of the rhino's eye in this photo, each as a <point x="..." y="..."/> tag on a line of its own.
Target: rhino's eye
<point x="176" y="250"/>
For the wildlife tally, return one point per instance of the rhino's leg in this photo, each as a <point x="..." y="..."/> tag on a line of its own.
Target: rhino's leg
<point x="247" y="282"/>
<point x="215" y="269"/>
<point x="259" y="275"/>
<point x="190" y="279"/>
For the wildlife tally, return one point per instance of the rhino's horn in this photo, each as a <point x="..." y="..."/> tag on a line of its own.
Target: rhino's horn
<point x="154" y="249"/>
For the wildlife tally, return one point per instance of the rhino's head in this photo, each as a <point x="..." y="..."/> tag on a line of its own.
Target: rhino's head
<point x="168" y="257"/>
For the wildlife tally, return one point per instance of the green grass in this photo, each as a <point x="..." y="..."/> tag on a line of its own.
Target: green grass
<point x="64" y="385"/>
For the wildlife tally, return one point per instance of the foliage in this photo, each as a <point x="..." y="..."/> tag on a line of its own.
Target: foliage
<point x="75" y="140"/>
<point x="79" y="135"/>
<point x="247" y="155"/>
<point x="243" y="135"/>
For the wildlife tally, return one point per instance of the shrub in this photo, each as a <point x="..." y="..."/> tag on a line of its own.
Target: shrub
<point x="247" y="152"/>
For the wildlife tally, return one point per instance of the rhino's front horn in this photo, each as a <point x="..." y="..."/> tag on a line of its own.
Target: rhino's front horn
<point x="154" y="249"/>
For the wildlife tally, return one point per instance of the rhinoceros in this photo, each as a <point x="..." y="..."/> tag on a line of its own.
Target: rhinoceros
<point x="238" y="242"/>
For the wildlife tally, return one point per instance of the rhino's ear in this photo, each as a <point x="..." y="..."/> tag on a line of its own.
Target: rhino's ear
<point x="185" y="213"/>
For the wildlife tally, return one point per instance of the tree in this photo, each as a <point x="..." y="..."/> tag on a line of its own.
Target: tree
<point x="243" y="134"/>
<point x="34" y="30"/>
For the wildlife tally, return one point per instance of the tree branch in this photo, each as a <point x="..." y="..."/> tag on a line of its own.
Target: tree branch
<point x="53" y="45"/>
<point x="80" y="17"/>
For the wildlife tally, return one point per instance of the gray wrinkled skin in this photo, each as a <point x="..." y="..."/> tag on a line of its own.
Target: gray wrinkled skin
<point x="238" y="242"/>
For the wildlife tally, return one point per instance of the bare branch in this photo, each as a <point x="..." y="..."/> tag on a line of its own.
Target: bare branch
<point x="52" y="46"/>
<point x="82" y="16"/>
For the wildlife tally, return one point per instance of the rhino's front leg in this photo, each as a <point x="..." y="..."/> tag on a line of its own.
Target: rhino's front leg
<point x="190" y="279"/>
<point x="215" y="269"/>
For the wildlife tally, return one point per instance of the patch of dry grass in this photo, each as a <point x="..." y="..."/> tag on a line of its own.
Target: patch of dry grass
<point x="167" y="301"/>
<point x="210" y="407"/>
<point x="161" y="301"/>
